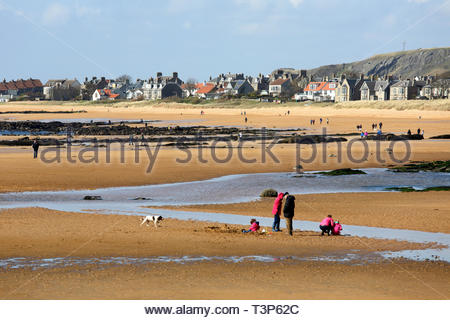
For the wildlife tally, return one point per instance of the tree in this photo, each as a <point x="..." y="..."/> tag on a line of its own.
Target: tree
<point x="124" y="78"/>
<point x="190" y="84"/>
<point x="88" y="90"/>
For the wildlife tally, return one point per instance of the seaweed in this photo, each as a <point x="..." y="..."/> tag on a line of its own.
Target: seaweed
<point x="341" y="172"/>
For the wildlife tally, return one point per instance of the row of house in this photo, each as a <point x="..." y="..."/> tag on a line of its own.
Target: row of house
<point x="388" y="88"/>
<point x="286" y="83"/>
<point x="10" y="90"/>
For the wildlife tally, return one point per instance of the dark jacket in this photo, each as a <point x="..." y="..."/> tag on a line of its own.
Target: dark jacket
<point x="289" y="206"/>
<point x="35" y="145"/>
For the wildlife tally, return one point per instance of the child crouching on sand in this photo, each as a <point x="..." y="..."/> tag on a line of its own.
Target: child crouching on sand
<point x="254" y="226"/>
<point x="336" y="231"/>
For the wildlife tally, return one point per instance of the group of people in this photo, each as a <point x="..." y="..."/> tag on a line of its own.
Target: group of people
<point x="313" y="121"/>
<point x="326" y="226"/>
<point x="419" y="132"/>
<point x="375" y="126"/>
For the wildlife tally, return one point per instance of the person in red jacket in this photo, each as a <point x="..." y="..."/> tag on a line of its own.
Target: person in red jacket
<point x="327" y="225"/>
<point x="276" y="211"/>
<point x="336" y="231"/>
<point x="254" y="226"/>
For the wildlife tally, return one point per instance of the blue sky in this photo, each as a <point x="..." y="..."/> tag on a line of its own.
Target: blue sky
<point x="198" y="38"/>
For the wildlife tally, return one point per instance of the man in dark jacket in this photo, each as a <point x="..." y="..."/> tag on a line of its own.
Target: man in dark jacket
<point x="288" y="211"/>
<point x="35" y="148"/>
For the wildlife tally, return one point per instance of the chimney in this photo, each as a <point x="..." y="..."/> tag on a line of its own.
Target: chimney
<point x="159" y="74"/>
<point x="175" y="75"/>
<point x="361" y="76"/>
<point x="103" y="78"/>
<point x="372" y="77"/>
<point x="342" y="77"/>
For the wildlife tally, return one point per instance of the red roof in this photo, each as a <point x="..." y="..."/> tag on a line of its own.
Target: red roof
<point x="328" y="86"/>
<point x="107" y="92"/>
<point x="20" y="84"/>
<point x="207" y="88"/>
<point x="11" y="86"/>
<point x="318" y="86"/>
<point x="3" y="86"/>
<point x="278" y="82"/>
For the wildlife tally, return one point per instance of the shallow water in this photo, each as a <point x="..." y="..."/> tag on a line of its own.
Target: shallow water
<point x="61" y="262"/>
<point x="240" y="188"/>
<point x="245" y="187"/>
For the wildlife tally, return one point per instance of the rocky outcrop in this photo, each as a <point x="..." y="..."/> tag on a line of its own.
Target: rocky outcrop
<point x="407" y="64"/>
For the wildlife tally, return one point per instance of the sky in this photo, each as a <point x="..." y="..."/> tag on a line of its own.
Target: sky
<point x="51" y="39"/>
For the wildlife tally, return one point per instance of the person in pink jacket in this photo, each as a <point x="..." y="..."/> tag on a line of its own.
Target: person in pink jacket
<point x="254" y="226"/>
<point x="336" y="229"/>
<point x="327" y="225"/>
<point x="276" y="211"/>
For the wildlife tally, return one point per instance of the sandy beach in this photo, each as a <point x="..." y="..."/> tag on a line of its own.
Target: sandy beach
<point x="61" y="234"/>
<point x="38" y="233"/>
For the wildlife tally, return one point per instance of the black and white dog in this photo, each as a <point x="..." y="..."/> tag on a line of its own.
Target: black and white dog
<point x="154" y="219"/>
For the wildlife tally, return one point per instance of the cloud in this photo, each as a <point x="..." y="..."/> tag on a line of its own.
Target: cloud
<point x="179" y="6"/>
<point x="418" y="1"/>
<point x="187" y="25"/>
<point x="390" y="20"/>
<point x="296" y="3"/>
<point x="249" y="29"/>
<point x="84" y="11"/>
<point x="56" y="14"/>
<point x="253" y="4"/>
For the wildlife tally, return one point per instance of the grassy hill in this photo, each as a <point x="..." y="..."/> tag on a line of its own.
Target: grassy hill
<point x="407" y="64"/>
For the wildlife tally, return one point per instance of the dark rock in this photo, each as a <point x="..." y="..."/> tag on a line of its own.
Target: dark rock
<point x="92" y="198"/>
<point x="341" y="172"/>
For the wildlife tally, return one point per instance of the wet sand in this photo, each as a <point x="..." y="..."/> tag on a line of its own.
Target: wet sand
<point x="428" y="211"/>
<point x="22" y="173"/>
<point x="55" y="234"/>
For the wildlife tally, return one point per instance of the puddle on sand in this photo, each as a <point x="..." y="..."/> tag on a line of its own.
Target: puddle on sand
<point x="62" y="262"/>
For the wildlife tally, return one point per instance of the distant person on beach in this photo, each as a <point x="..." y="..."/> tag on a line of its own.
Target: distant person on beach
<point x="381" y="125"/>
<point x="35" y="146"/>
<point x="320" y="120"/>
<point x="288" y="112"/>
<point x="276" y="211"/>
<point x="409" y="132"/>
<point x="423" y="133"/>
<point x="418" y="131"/>
<point x="336" y="231"/>
<point x="254" y="226"/>
<point x="328" y="121"/>
<point x="246" y="119"/>
<point x="366" y="134"/>
<point x="362" y="135"/>
<point x="327" y="225"/>
<point x="131" y="142"/>
<point x="288" y="210"/>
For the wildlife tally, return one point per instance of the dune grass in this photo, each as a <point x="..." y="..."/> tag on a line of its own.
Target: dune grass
<point x="243" y="103"/>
